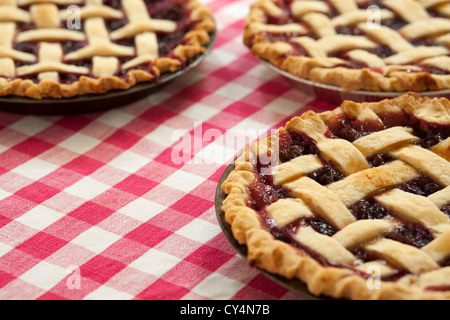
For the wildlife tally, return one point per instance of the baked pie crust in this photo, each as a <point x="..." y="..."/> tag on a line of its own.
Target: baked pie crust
<point x="66" y="48"/>
<point x="354" y="202"/>
<point x="381" y="46"/>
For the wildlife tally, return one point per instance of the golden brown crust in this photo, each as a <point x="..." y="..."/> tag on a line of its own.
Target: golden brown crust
<point x="194" y="43"/>
<point x="329" y="70"/>
<point x="277" y="257"/>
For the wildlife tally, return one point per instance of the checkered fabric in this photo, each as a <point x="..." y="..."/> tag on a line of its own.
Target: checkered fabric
<point x="120" y="204"/>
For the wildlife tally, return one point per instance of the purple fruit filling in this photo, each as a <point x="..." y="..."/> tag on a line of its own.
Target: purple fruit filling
<point x="293" y="145"/>
<point x="167" y="10"/>
<point x="422" y="186"/>
<point x="379" y="160"/>
<point x="27" y="47"/>
<point x="430" y="134"/>
<point x="412" y="234"/>
<point x="394" y="23"/>
<point x="115" y="4"/>
<point x="326" y="175"/>
<point x="382" y="51"/>
<point x="368" y="209"/>
<point x="264" y="193"/>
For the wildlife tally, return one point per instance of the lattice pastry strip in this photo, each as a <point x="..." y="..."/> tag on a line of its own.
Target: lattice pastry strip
<point x="430" y="163"/>
<point x="94" y="9"/>
<point x="415" y="208"/>
<point x="412" y="259"/>
<point x="11" y="13"/>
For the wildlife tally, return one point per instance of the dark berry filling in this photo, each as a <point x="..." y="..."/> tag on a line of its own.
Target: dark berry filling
<point x="68" y="78"/>
<point x="422" y="186"/>
<point x="436" y="71"/>
<point x="167" y="10"/>
<point x="425" y="41"/>
<point x="113" y="25"/>
<point x="25" y="26"/>
<point x="395" y="119"/>
<point x="71" y="46"/>
<point x="412" y="234"/>
<point x="27" y="47"/>
<point x="394" y="23"/>
<point x="320" y="225"/>
<point x="382" y="51"/>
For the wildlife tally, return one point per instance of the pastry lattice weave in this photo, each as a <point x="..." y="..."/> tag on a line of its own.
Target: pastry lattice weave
<point x="374" y="214"/>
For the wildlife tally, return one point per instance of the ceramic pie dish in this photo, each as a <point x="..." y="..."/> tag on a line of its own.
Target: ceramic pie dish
<point x="389" y="46"/>
<point x="59" y="49"/>
<point x="354" y="202"/>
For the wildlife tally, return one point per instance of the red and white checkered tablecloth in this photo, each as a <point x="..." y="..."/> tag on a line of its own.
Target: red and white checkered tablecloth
<point x="120" y="204"/>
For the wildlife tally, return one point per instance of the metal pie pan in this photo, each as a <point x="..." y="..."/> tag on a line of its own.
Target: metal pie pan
<point x="335" y="95"/>
<point x="293" y="285"/>
<point x="96" y="102"/>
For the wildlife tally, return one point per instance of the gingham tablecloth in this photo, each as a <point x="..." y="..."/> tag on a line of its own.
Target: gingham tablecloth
<point x="120" y="204"/>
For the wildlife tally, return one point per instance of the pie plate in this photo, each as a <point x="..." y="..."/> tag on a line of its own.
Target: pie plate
<point x="100" y="102"/>
<point x="294" y="285"/>
<point x="335" y="95"/>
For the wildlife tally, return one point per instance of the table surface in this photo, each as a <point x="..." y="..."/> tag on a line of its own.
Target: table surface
<point x="119" y="204"/>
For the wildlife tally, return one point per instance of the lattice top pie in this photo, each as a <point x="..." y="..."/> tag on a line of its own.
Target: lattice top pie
<point x="390" y="45"/>
<point x="355" y="201"/>
<point x="66" y="48"/>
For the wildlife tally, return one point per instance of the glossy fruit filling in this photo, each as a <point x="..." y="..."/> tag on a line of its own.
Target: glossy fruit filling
<point x="382" y="51"/>
<point x="263" y="192"/>
<point x="173" y="10"/>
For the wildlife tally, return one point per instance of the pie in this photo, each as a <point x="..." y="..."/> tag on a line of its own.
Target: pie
<point x="354" y="202"/>
<point x="67" y="48"/>
<point x="378" y="46"/>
